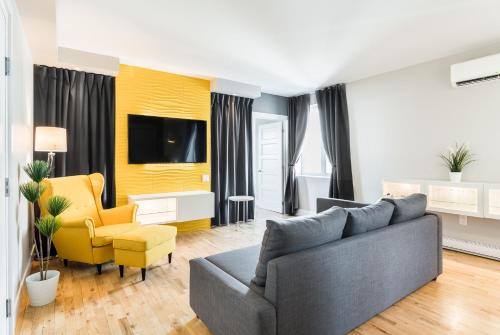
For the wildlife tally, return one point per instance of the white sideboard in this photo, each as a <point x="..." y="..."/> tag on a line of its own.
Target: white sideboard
<point x="171" y="207"/>
<point x="464" y="199"/>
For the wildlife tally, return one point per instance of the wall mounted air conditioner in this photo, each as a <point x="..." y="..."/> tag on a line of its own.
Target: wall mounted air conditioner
<point x="475" y="71"/>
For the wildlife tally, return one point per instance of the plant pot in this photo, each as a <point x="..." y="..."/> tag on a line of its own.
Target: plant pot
<point x="42" y="292"/>
<point x="455" y="177"/>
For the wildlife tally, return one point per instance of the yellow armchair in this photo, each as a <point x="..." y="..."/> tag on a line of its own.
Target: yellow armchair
<point x="87" y="229"/>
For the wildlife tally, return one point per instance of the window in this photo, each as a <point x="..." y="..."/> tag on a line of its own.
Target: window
<point x="313" y="161"/>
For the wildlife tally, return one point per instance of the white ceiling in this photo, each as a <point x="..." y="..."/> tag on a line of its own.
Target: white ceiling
<point x="285" y="46"/>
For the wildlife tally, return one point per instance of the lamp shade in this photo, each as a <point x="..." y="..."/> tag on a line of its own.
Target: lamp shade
<point x="50" y="139"/>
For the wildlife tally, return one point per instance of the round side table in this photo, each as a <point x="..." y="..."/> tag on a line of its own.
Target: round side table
<point x="238" y="199"/>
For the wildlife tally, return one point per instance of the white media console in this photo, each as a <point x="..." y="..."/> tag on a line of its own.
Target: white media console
<point x="171" y="207"/>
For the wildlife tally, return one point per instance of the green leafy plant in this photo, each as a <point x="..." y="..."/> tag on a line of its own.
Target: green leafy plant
<point x="49" y="224"/>
<point x="37" y="170"/>
<point x="32" y="191"/>
<point x="57" y="204"/>
<point x="457" y="158"/>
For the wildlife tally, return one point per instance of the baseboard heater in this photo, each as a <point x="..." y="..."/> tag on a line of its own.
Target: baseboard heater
<point x="472" y="247"/>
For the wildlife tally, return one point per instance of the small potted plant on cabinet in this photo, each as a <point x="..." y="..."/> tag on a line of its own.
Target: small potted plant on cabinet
<point x="456" y="160"/>
<point x="42" y="285"/>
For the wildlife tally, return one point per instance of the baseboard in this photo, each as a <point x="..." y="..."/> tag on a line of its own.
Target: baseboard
<point x="472" y="247"/>
<point x="26" y="272"/>
<point x="21" y="299"/>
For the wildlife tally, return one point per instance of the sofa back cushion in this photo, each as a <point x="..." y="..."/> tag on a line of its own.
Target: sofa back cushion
<point x="78" y="190"/>
<point x="361" y="220"/>
<point x="408" y="208"/>
<point x="286" y="236"/>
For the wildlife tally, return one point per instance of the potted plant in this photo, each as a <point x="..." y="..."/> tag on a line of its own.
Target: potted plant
<point x="456" y="160"/>
<point x="42" y="285"/>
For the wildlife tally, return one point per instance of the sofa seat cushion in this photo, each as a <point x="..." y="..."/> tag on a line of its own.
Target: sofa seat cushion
<point x="364" y="219"/>
<point x="287" y="236"/>
<point x="240" y="263"/>
<point x="408" y="208"/>
<point x="144" y="237"/>
<point x="104" y="234"/>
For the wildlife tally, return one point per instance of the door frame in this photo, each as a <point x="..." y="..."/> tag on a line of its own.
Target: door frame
<point x="5" y="292"/>
<point x="270" y="117"/>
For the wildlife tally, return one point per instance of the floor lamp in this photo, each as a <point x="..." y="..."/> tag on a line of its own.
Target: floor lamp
<point x="50" y="140"/>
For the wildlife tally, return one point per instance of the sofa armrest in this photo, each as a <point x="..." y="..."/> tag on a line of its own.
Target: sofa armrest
<point x="439" y="239"/>
<point x="226" y="305"/>
<point x="117" y="215"/>
<point x="73" y="240"/>
<point x="322" y="204"/>
<point x="83" y="223"/>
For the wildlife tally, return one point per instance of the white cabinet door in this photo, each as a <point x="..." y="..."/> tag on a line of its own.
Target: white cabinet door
<point x="270" y="166"/>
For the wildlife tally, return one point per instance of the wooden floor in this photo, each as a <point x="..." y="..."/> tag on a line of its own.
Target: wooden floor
<point x="464" y="300"/>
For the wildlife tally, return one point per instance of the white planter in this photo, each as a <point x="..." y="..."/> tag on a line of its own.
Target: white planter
<point x="455" y="177"/>
<point x="42" y="292"/>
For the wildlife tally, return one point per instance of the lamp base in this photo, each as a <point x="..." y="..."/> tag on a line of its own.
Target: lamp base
<point x="50" y="161"/>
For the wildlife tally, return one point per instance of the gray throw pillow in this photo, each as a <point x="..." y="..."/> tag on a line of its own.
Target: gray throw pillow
<point x="408" y="208"/>
<point x="283" y="237"/>
<point x="361" y="220"/>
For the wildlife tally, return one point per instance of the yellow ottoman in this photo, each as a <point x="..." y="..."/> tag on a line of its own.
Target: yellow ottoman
<point x="143" y="246"/>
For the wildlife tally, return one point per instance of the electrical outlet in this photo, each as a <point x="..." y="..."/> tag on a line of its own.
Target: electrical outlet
<point x="205" y="178"/>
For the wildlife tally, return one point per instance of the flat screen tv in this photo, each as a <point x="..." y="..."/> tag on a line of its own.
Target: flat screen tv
<point x="153" y="139"/>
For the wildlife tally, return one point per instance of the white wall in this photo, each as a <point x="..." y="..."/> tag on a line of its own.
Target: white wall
<point x="20" y="112"/>
<point x="401" y="121"/>
<point x="310" y="188"/>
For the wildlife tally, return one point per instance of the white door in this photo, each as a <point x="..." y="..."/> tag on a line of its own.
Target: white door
<point x="270" y="166"/>
<point x="3" y="172"/>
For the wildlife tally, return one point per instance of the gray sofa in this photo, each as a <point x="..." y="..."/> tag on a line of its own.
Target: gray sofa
<point x="327" y="289"/>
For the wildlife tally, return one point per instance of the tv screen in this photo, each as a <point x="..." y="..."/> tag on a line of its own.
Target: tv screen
<point x="153" y="139"/>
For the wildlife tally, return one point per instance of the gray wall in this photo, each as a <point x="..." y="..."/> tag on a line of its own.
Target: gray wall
<point x="271" y="104"/>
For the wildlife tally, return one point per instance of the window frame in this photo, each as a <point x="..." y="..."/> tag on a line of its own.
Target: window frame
<point x="323" y="158"/>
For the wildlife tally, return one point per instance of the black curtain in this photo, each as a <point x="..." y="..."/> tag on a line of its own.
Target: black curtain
<point x="334" y="119"/>
<point x="84" y="104"/>
<point x="231" y="123"/>
<point x="298" y="112"/>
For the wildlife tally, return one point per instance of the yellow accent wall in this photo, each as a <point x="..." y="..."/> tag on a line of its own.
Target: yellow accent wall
<point x="148" y="92"/>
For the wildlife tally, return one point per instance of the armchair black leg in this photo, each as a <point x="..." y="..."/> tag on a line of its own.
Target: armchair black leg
<point x="99" y="268"/>
<point x="169" y="258"/>
<point x="65" y="261"/>
<point x="143" y="273"/>
<point x="121" y="270"/>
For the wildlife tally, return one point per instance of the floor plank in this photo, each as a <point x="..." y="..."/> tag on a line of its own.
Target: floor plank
<point x="464" y="300"/>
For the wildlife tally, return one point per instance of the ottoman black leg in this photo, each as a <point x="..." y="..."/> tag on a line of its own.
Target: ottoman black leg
<point x="65" y="261"/>
<point x="169" y="258"/>
<point x="99" y="268"/>
<point x="143" y="273"/>
<point x="121" y="270"/>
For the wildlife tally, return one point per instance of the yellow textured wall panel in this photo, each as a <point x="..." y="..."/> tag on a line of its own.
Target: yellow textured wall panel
<point x="148" y="92"/>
